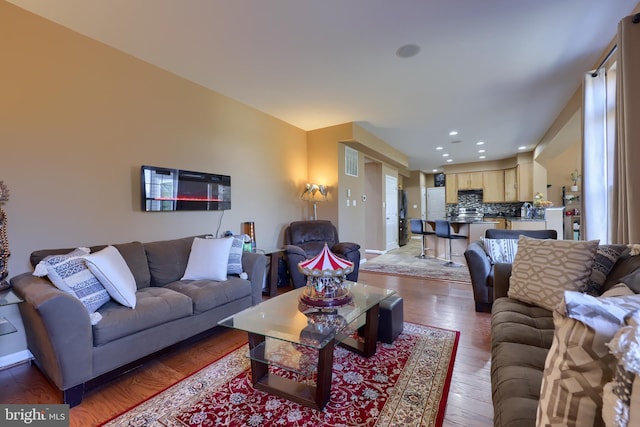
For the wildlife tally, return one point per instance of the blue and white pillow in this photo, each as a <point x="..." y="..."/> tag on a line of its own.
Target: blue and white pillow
<point x="70" y="274"/>
<point x="235" y="256"/>
<point x="501" y="250"/>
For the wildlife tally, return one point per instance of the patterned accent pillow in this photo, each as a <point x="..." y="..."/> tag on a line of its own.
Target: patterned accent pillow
<point x="543" y="269"/>
<point x="605" y="259"/>
<point x="621" y="398"/>
<point x="501" y="250"/>
<point x="235" y="256"/>
<point x="579" y="363"/>
<point x="70" y="274"/>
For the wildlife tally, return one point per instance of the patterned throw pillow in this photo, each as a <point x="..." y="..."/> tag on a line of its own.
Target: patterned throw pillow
<point x="70" y="274"/>
<point x="235" y="256"/>
<point x="605" y="259"/>
<point x="621" y="398"/>
<point x="543" y="269"/>
<point x="579" y="362"/>
<point x="501" y="250"/>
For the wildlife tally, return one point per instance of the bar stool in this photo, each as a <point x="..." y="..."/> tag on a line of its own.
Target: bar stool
<point x="443" y="230"/>
<point x="417" y="227"/>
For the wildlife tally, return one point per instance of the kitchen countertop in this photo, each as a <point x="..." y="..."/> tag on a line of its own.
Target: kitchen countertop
<point x="513" y="218"/>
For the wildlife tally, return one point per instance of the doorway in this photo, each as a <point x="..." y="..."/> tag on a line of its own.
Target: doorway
<point x="391" y="211"/>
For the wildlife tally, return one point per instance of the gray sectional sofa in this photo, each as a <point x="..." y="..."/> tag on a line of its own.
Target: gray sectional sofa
<point x="75" y="355"/>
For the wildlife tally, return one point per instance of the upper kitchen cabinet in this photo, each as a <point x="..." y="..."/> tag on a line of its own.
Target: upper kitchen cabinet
<point x="469" y="181"/>
<point x="451" y="188"/>
<point x="493" y="186"/>
<point x="511" y="185"/>
<point x="525" y="182"/>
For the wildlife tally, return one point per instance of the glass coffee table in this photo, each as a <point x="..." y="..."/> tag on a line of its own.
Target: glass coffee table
<point x="295" y="337"/>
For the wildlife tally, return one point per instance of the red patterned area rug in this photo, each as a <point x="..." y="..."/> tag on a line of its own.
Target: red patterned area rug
<point x="405" y="383"/>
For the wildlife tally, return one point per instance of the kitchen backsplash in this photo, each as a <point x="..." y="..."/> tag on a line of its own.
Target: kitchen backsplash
<point x="470" y="199"/>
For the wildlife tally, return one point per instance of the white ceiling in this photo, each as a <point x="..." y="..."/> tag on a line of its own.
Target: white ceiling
<point x="498" y="71"/>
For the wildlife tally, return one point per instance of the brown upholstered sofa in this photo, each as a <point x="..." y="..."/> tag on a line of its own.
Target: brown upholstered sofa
<point x="521" y="336"/>
<point x="481" y="269"/>
<point x="74" y="354"/>
<point x="305" y="239"/>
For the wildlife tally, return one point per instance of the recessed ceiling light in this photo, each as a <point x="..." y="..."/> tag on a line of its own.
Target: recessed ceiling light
<point x="480" y="143"/>
<point x="407" y="51"/>
<point x="483" y="157"/>
<point x="453" y="133"/>
<point x="439" y="148"/>
<point x="481" y="151"/>
<point x="445" y="155"/>
<point x="449" y="160"/>
<point x="522" y="147"/>
<point x="434" y="170"/>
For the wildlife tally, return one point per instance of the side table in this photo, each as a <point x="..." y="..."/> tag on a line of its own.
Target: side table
<point x="7" y="297"/>
<point x="273" y="256"/>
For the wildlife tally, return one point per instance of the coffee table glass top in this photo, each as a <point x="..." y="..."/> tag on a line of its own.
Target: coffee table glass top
<point x="284" y="318"/>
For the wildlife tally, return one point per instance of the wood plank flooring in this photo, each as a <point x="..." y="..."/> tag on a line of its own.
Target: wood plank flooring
<point x="428" y="302"/>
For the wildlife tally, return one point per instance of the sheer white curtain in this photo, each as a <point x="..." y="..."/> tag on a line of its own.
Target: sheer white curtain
<point x="599" y="106"/>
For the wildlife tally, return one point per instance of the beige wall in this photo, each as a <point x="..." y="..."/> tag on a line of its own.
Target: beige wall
<point x="559" y="172"/>
<point x="78" y="119"/>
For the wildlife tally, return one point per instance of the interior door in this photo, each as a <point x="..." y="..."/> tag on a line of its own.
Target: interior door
<point x="391" y="211"/>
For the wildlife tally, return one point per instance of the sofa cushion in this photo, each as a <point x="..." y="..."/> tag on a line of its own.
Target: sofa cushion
<point x="208" y="294"/>
<point x="544" y="269"/>
<point x="168" y="259"/>
<point x="114" y="274"/>
<point x="70" y="273"/>
<point x="579" y="362"/>
<point x="208" y="259"/>
<point x="515" y="322"/>
<point x="154" y="306"/>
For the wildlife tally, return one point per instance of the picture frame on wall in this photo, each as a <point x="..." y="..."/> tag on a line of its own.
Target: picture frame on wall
<point x="438" y="180"/>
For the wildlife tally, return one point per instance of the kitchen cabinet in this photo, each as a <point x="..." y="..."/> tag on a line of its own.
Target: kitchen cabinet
<point x="526" y="225"/>
<point x="469" y="180"/>
<point x="501" y="222"/>
<point x="493" y="186"/>
<point x="525" y="182"/>
<point x="511" y="185"/>
<point x="451" y="188"/>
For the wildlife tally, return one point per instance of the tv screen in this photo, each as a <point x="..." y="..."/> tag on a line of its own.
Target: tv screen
<point x="165" y="189"/>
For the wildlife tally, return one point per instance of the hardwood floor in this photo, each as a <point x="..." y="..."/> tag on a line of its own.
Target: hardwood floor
<point x="428" y="302"/>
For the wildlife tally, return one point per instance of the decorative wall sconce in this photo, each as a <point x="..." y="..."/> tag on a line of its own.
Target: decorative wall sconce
<point x="314" y="193"/>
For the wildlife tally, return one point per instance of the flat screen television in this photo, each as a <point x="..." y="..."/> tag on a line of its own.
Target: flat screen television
<point x="165" y="189"/>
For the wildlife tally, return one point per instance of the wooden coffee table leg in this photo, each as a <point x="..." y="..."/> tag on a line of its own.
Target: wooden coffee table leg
<point x="325" y="372"/>
<point x="369" y="332"/>
<point x="315" y="397"/>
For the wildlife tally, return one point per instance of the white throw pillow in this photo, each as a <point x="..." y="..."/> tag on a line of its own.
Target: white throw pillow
<point x="114" y="274"/>
<point x="208" y="259"/>
<point x="544" y="268"/>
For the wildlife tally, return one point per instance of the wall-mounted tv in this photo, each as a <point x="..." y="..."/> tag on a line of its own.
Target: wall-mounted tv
<point x="165" y="189"/>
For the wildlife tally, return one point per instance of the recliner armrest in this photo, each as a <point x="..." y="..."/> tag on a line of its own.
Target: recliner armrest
<point x="501" y="275"/>
<point x="344" y="248"/>
<point x="295" y="250"/>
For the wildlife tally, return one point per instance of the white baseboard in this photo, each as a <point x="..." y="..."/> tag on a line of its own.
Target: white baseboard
<point x="15" y="358"/>
<point x="375" y="251"/>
